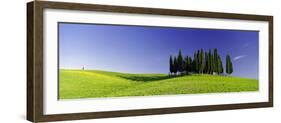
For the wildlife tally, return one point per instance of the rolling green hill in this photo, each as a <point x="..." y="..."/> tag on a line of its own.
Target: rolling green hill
<point x="96" y="84"/>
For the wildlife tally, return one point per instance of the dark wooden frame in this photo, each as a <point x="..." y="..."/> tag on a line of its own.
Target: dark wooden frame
<point x="35" y="60"/>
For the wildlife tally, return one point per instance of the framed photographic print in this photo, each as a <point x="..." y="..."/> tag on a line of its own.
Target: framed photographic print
<point x="96" y="61"/>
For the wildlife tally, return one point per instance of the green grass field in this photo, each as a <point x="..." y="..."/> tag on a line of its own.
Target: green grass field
<point x="97" y="84"/>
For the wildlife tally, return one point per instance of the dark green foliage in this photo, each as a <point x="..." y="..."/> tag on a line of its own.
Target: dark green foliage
<point x="206" y="63"/>
<point x="227" y="64"/>
<point x="229" y="67"/>
<point x="188" y="65"/>
<point x="198" y="61"/>
<point x="171" y="65"/>
<point x="211" y="63"/>
<point x="175" y="64"/>
<point x="202" y="62"/>
<point x="180" y="62"/>
<point x="194" y="62"/>
<point x="220" y="65"/>
<point x="215" y="61"/>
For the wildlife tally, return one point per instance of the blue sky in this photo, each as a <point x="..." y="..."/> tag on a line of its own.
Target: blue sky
<point x="143" y="49"/>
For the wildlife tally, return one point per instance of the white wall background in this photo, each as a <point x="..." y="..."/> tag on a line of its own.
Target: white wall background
<point x="13" y="61"/>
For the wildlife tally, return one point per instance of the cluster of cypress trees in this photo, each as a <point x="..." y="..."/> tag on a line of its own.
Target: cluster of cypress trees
<point x="203" y="62"/>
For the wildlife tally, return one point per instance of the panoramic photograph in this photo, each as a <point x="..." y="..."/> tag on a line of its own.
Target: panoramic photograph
<point x="105" y="61"/>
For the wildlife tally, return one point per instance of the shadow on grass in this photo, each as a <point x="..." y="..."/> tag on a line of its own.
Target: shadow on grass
<point x="145" y="78"/>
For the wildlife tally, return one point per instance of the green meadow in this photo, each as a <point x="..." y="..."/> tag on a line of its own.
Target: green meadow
<point x="75" y="84"/>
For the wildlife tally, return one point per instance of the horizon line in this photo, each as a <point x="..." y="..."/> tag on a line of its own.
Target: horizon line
<point x="145" y="73"/>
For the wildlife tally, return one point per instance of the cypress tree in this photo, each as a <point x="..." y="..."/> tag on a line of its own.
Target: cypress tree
<point x="212" y="64"/>
<point x="197" y="61"/>
<point x="215" y="60"/>
<point x="201" y="61"/>
<point x="194" y="62"/>
<point x="209" y="61"/>
<point x="175" y="66"/>
<point x="186" y="65"/>
<point x="206" y="63"/>
<point x="227" y="64"/>
<point x="229" y="67"/>
<point x="171" y="65"/>
<point x="220" y="65"/>
<point x="190" y="64"/>
<point x="180" y="64"/>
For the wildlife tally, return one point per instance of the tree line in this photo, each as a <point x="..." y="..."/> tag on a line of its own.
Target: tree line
<point x="202" y="62"/>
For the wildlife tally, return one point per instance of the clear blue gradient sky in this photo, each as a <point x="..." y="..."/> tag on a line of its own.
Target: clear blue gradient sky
<point x="142" y="49"/>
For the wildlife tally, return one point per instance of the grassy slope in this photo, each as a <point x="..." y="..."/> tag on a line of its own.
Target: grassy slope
<point x="91" y="84"/>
